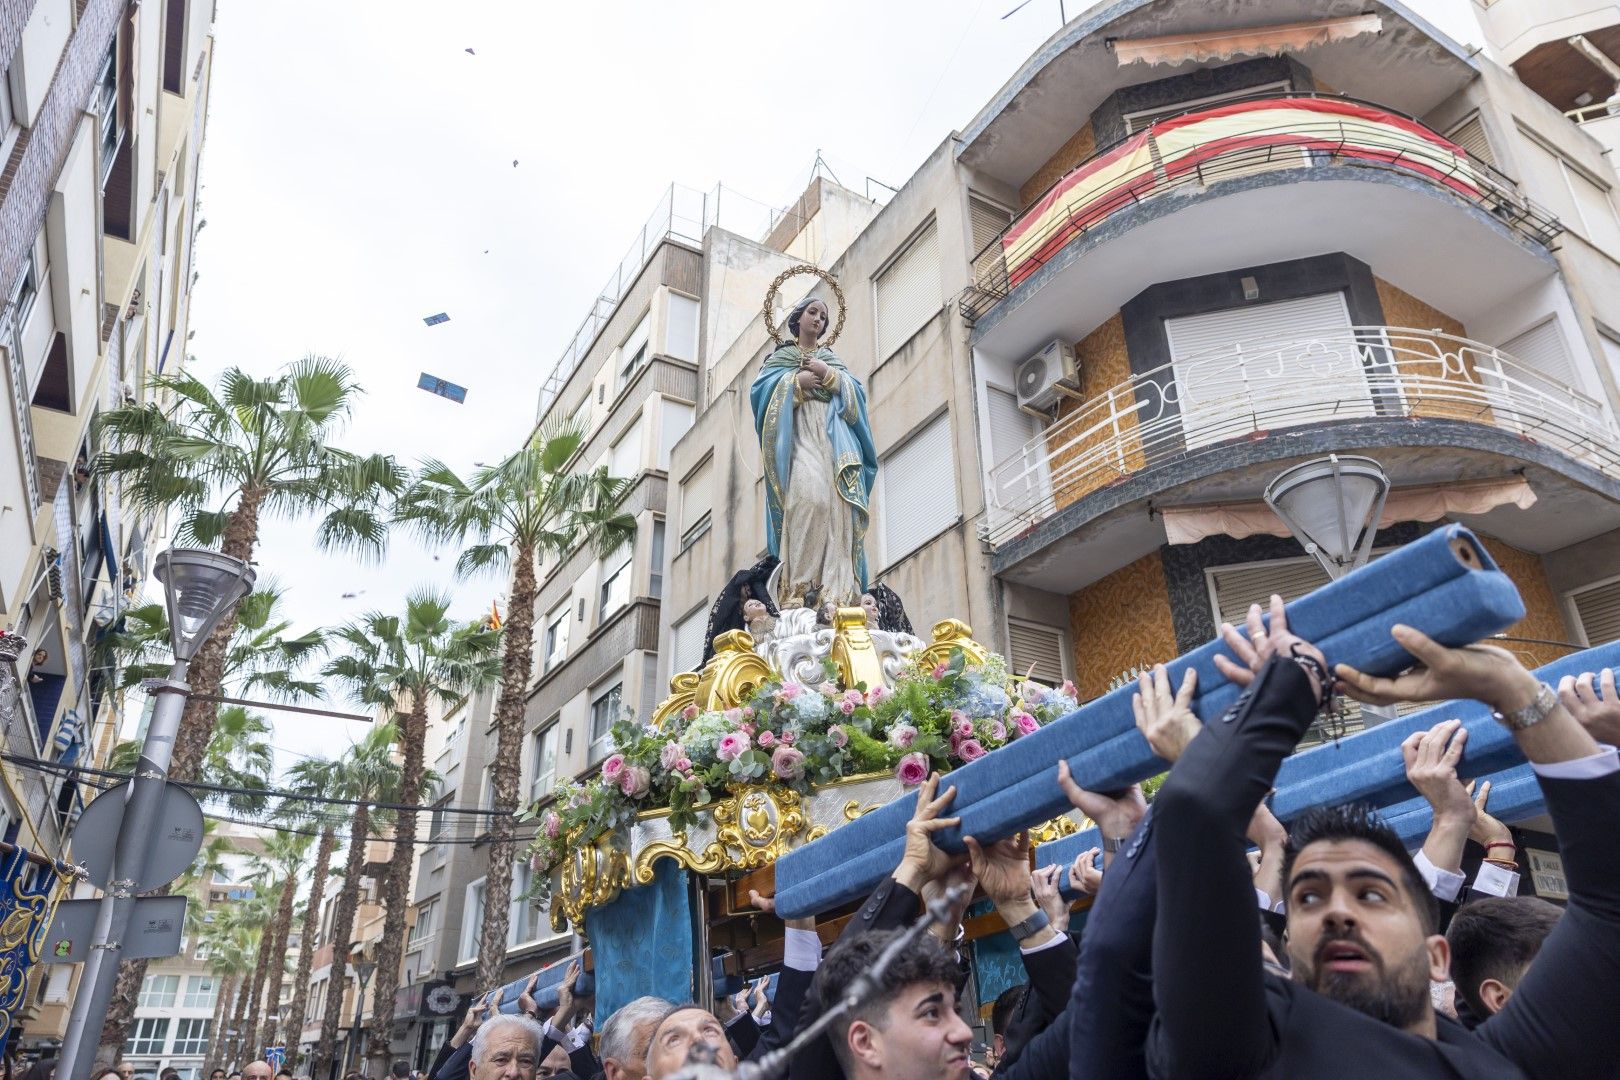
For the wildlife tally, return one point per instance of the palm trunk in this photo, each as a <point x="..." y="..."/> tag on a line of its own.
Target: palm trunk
<point x="516" y="665"/>
<point x="278" y="965"/>
<point x="250" y="1030"/>
<point x="238" y="1045"/>
<point x="292" y="1024"/>
<point x="396" y="885"/>
<point x="121" y="1011"/>
<point x="216" y="1026"/>
<point x="342" y="938"/>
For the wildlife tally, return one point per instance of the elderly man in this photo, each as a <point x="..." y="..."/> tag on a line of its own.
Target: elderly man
<point x="626" y="1034"/>
<point x="683" y="1029"/>
<point x="257" y="1070"/>
<point x="507" y="1048"/>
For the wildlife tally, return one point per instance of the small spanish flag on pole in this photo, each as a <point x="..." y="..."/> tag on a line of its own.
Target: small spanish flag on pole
<point x="494" y="615"/>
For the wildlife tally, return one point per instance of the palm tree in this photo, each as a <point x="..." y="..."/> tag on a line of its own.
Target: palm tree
<point x="527" y="506"/>
<point x="258" y="912"/>
<point x="308" y="777"/>
<point x="369" y="775"/>
<point x="230" y="959"/>
<point x="238" y="757"/>
<point x="401" y="665"/>
<point x="277" y="867"/>
<point x="217" y="460"/>
<point x="243" y="921"/>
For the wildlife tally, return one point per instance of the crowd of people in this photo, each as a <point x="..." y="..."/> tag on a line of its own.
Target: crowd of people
<point x="1219" y="944"/>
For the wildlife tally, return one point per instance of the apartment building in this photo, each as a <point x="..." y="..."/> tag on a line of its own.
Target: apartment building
<point x="102" y="107"/>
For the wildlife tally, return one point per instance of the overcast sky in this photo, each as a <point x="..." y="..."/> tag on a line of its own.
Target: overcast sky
<point x="359" y="175"/>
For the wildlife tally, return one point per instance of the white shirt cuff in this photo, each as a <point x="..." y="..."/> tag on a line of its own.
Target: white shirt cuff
<point x="1493" y="880"/>
<point x="1051" y="943"/>
<point x="563" y="1039"/>
<point x="764" y="1020"/>
<point x="1444" y="884"/>
<point x="801" y="949"/>
<point x="1263" y="898"/>
<point x="1602" y="763"/>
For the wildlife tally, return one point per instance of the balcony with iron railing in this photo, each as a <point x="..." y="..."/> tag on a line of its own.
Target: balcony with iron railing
<point x="1206" y="150"/>
<point x="1366" y="373"/>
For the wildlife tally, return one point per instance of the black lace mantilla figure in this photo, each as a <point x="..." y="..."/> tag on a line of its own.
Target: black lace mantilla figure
<point x="891" y="613"/>
<point x="727" y="612"/>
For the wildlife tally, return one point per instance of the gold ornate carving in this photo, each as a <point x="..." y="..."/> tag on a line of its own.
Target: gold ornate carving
<point x="852" y="650"/>
<point x="853" y="809"/>
<point x="682" y="692"/>
<point x="950" y="635"/>
<point x="775" y="331"/>
<point x="711" y="860"/>
<point x="757" y="824"/>
<point x="592" y="875"/>
<point x="732" y="674"/>
<point x="1056" y="829"/>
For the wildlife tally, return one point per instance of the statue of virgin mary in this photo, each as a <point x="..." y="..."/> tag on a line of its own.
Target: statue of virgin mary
<point x="816" y="444"/>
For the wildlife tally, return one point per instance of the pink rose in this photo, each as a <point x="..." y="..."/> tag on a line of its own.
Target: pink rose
<point x="732" y="746"/>
<point x="612" y="767"/>
<point x="1025" y="723"/>
<point x="903" y="735"/>
<point x="912" y="770"/>
<point x="553" y="825"/>
<point x="854" y="697"/>
<point x="672" y="752"/>
<point x="748" y="712"/>
<point x="998" y="730"/>
<point x="787" y="763"/>
<point x="964" y="728"/>
<point x="684" y="765"/>
<point x="746" y="729"/>
<point x="970" y="750"/>
<point x="839" y="737"/>
<point x="789" y="691"/>
<point x="1068" y="689"/>
<point x="634" y="781"/>
<point x="690" y="712"/>
<point x="847" y="707"/>
<point x="876" y="694"/>
<point x="766" y="739"/>
<point x="733" y="716"/>
<point x="789" y="738"/>
<point x="828" y="689"/>
<point x="940" y="669"/>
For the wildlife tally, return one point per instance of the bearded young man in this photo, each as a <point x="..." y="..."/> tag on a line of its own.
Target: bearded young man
<point x="1362" y="925"/>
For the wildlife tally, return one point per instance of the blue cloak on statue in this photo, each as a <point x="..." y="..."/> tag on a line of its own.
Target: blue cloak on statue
<point x="848" y="432"/>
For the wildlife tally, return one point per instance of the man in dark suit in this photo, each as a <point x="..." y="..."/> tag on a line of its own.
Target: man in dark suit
<point x="1362" y="933"/>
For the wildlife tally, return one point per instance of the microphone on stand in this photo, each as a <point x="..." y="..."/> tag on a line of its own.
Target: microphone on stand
<point x="701" y="1063"/>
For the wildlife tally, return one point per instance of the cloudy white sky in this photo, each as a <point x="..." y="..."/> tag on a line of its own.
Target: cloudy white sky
<point x="358" y="175"/>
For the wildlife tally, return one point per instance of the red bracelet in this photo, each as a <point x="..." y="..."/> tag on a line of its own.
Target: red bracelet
<point x="1501" y="843"/>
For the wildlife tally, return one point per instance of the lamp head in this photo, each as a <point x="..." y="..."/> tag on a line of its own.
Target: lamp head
<point x="200" y="588"/>
<point x="1332" y="506"/>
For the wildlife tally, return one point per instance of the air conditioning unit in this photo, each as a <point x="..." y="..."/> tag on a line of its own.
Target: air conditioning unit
<point x="1046" y="376"/>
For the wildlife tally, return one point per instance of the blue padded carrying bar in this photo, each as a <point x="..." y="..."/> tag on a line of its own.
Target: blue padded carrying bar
<point x="545" y="988"/>
<point x="1426" y="584"/>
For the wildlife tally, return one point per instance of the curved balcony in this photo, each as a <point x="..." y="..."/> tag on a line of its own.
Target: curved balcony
<point x="1206" y="149"/>
<point x="1368" y="373"/>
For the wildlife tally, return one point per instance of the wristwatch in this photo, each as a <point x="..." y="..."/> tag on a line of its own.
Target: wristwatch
<point x="1030" y="926"/>
<point x="1531" y="714"/>
<point x="1113" y="844"/>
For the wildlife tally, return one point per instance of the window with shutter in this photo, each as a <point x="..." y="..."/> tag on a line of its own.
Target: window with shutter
<point x="1266" y="363"/>
<point x="1597" y="610"/>
<point x="1136" y="121"/>
<point x="1542" y="349"/>
<point x="674" y="418"/>
<point x="1543" y="179"/>
<point x="1035" y="652"/>
<point x="1594" y="201"/>
<point x="681" y="328"/>
<point x="696" y="502"/>
<point x="907" y="292"/>
<point x="1470" y="135"/>
<point x="1233" y="588"/>
<point x="1017" y="465"/>
<point x="686" y="642"/>
<point x="986" y="220"/>
<point x="626" y="458"/>
<point x="919" y="490"/>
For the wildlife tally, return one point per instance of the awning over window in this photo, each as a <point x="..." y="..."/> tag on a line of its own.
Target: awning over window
<point x="1188" y="525"/>
<point x="1248" y="41"/>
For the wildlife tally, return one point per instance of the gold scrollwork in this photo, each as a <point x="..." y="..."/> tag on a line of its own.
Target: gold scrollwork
<point x="950" y="635"/>
<point x="682" y="692"/>
<point x="853" y="809"/>
<point x="732" y="674"/>
<point x="852" y="650"/>
<point x="710" y="860"/>
<point x="757" y="824"/>
<point x="1056" y="829"/>
<point x="592" y="875"/>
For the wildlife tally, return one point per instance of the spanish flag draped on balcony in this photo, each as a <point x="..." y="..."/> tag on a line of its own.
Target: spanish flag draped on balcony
<point x="1222" y="143"/>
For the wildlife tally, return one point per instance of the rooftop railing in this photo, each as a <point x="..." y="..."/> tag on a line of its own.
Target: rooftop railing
<point x="1367" y="372"/>
<point x="1209" y="146"/>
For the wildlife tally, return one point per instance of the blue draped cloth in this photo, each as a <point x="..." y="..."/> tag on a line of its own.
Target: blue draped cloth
<point x="642" y="942"/>
<point x="848" y="431"/>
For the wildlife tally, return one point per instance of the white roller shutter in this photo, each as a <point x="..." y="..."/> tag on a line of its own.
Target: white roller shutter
<point x="919" y="490"/>
<point x="1542" y="349"/>
<point x="686" y="642"/>
<point x="1597" y="608"/>
<point x="1234" y="588"/>
<point x="1597" y="211"/>
<point x="987" y="220"/>
<point x="908" y="292"/>
<point x="1265" y="366"/>
<point x="1470" y="135"/>
<point x="1015" y="470"/>
<point x="697" y="499"/>
<point x="1035" y="651"/>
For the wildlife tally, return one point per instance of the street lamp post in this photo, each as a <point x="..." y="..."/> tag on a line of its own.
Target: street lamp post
<point x="201" y="588"/>
<point x="362" y="971"/>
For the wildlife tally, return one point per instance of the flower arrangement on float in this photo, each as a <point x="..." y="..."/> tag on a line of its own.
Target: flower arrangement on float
<point x="800" y="735"/>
